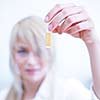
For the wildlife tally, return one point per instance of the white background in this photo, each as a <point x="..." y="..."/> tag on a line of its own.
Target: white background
<point x="72" y="55"/>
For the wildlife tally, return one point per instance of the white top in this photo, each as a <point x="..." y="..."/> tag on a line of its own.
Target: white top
<point x="57" y="88"/>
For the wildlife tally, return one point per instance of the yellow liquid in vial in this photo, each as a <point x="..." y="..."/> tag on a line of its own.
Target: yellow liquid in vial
<point x="48" y="39"/>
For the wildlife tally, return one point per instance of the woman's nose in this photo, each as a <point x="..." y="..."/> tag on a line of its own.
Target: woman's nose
<point x="32" y="60"/>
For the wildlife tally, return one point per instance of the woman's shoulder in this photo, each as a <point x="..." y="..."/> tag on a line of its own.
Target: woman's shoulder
<point x="4" y="92"/>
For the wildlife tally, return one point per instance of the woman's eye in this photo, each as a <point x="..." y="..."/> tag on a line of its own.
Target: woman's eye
<point x="22" y="52"/>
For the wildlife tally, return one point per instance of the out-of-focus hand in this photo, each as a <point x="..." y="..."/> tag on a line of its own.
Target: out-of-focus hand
<point x="71" y="19"/>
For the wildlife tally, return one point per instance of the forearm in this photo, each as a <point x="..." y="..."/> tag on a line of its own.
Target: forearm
<point x="94" y="53"/>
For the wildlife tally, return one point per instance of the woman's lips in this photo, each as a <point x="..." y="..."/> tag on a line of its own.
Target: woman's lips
<point x="32" y="71"/>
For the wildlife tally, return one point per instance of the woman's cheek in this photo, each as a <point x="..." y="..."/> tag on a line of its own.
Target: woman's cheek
<point x="18" y="59"/>
<point x="41" y="62"/>
<point x="19" y="62"/>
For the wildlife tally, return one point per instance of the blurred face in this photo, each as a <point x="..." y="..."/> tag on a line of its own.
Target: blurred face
<point x="31" y="66"/>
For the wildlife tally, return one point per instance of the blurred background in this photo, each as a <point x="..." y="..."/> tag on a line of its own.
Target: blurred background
<point x="72" y="59"/>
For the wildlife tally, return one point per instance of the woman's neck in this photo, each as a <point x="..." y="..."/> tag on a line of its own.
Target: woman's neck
<point x="30" y="88"/>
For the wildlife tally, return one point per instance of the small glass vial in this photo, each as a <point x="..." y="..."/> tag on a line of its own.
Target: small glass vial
<point x="48" y="39"/>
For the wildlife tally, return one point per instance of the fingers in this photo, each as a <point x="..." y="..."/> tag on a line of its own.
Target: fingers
<point x="57" y="9"/>
<point x="57" y="20"/>
<point x="62" y="15"/>
<point x="73" y="19"/>
<point x="83" y="26"/>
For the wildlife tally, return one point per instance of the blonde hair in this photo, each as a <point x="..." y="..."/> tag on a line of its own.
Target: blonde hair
<point x="33" y="30"/>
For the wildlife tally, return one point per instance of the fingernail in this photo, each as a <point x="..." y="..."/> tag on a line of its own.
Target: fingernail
<point x="50" y="27"/>
<point x="46" y="19"/>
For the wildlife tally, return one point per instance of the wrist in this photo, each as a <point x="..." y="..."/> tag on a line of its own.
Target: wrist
<point x="91" y="38"/>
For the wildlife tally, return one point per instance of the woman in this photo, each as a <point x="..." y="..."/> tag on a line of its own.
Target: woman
<point x="31" y="61"/>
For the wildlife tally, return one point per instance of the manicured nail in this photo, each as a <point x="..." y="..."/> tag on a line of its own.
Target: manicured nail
<point x="46" y="19"/>
<point x="50" y="27"/>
